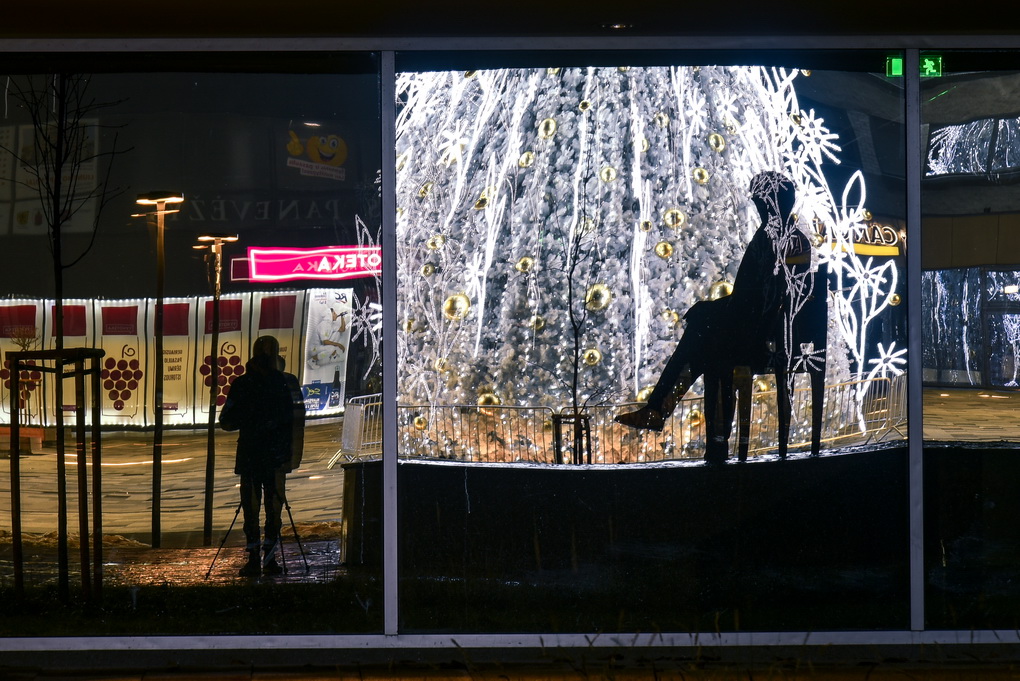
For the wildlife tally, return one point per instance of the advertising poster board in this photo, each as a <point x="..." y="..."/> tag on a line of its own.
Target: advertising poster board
<point x="79" y="332"/>
<point x="21" y="329"/>
<point x="178" y="362"/>
<point x="327" y="340"/>
<point x="233" y="351"/>
<point x="280" y="315"/>
<point x="122" y="334"/>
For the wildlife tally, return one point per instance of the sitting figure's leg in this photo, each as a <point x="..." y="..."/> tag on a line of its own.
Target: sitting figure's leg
<point x="673" y="383"/>
<point x="718" y="415"/>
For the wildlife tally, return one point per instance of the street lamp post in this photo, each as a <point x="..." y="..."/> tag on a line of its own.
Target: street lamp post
<point x="160" y="200"/>
<point x="215" y="242"/>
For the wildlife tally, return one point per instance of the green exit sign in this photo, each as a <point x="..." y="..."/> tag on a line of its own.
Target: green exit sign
<point x="931" y="66"/>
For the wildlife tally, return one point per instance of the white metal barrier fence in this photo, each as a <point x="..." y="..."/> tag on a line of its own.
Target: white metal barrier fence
<point x="856" y="412"/>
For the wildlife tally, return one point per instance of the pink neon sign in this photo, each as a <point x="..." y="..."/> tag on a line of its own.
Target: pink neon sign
<point x="328" y="262"/>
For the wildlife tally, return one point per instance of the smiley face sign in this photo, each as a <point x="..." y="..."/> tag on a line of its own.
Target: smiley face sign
<point x="317" y="156"/>
<point x="330" y="150"/>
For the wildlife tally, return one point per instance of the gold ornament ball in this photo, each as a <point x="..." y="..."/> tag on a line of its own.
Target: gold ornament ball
<point x="641" y="144"/>
<point x="716" y="142"/>
<point x="661" y="119"/>
<point x="525" y="264"/>
<point x="585" y="226"/>
<point x="674" y="218"/>
<point x="420" y="422"/>
<point x="482" y="202"/>
<point x="663" y="249"/>
<point x="428" y="269"/>
<point x="402" y="160"/>
<point x="584" y="105"/>
<point x="671" y="317"/>
<point x="526" y="159"/>
<point x="470" y="74"/>
<point x="761" y="385"/>
<point x="720" y="289"/>
<point x="456" y="307"/>
<point x="425" y="190"/>
<point x="645" y="225"/>
<point x="607" y="174"/>
<point x="435" y="242"/>
<point x="895" y="299"/>
<point x="409" y="325"/>
<point x="806" y="73"/>
<point x="796" y="119"/>
<point x="552" y="71"/>
<point x="867" y="214"/>
<point x="817" y="239"/>
<point x="623" y="69"/>
<point x="488" y="399"/>
<point x="591" y="356"/>
<point x="536" y="322"/>
<point x="439" y="364"/>
<point x="547" y="128"/>
<point x="597" y="297"/>
<point x="700" y="175"/>
<point x="695" y="418"/>
<point x="645" y="393"/>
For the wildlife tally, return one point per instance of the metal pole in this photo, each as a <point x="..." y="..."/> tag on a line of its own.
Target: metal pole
<point x="210" y="458"/>
<point x="62" y="558"/>
<point x="157" y="434"/>
<point x="97" y="481"/>
<point x="83" y="482"/>
<point x="15" y="446"/>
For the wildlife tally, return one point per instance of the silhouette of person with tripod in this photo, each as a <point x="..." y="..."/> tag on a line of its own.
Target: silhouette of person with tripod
<point x="266" y="407"/>
<point x="726" y="332"/>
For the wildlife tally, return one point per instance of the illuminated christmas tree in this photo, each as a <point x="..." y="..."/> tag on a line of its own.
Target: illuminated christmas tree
<point x="558" y="218"/>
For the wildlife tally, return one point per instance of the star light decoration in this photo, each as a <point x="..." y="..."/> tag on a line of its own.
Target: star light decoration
<point x="682" y="141"/>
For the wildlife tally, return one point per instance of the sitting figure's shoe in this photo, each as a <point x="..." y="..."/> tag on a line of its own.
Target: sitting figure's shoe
<point x="271" y="567"/>
<point x="645" y="417"/>
<point x="253" y="568"/>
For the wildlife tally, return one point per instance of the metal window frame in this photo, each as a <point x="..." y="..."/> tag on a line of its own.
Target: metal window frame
<point x="126" y="650"/>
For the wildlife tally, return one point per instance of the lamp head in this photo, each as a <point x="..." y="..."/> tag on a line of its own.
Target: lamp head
<point x="154" y="198"/>
<point x="223" y="238"/>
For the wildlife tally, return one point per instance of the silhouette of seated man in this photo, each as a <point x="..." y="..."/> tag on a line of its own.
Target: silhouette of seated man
<point x="723" y="333"/>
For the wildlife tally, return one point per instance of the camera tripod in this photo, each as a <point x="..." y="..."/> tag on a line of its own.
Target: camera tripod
<point x="279" y="541"/>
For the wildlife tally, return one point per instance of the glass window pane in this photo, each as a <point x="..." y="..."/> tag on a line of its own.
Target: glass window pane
<point x="971" y="317"/>
<point x="279" y="170"/>
<point x="563" y="229"/>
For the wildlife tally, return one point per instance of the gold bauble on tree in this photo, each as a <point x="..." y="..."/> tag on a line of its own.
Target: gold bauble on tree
<point x="895" y="299"/>
<point x="402" y="160"/>
<point x="700" y="175"/>
<point x="469" y="74"/>
<point x="597" y="297"/>
<point x="641" y="144"/>
<point x="552" y="71"/>
<point x="439" y="364"/>
<point x="525" y="264"/>
<point x="536" y="322"/>
<point x="409" y="325"/>
<point x="591" y="356"/>
<point x="716" y="142"/>
<point x="674" y="218"/>
<point x="645" y="225"/>
<point x="547" y="128"/>
<point x="720" y="289"/>
<point x="425" y="190"/>
<point x="671" y="317"/>
<point x="761" y="385"/>
<point x="435" y="242"/>
<point x="645" y="393"/>
<point x="661" y="119"/>
<point x="420" y="422"/>
<point x="866" y="214"/>
<point x="526" y="159"/>
<point x="428" y="269"/>
<point x="664" y="249"/>
<point x="584" y="105"/>
<point x="607" y="174"/>
<point x="488" y="399"/>
<point x="456" y="307"/>
<point x="695" y="418"/>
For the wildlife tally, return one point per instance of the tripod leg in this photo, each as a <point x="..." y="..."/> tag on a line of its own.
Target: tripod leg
<point x="286" y="504"/>
<point x="236" y="513"/>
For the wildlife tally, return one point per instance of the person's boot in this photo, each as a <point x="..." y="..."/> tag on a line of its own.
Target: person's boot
<point x="269" y="564"/>
<point x="253" y="568"/>
<point x="645" y="417"/>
